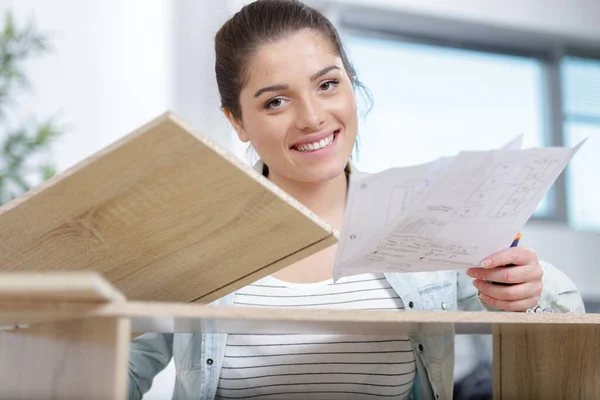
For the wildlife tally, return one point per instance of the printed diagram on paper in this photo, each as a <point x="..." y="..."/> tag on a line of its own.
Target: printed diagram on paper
<point x="447" y="215"/>
<point x="528" y="181"/>
<point x="402" y="195"/>
<point x="414" y="245"/>
<point x="506" y="191"/>
<point x="374" y="201"/>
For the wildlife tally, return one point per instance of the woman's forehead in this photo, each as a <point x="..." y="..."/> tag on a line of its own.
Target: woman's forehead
<point x="295" y="56"/>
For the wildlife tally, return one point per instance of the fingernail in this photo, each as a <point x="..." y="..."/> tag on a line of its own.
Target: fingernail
<point x="486" y="263"/>
<point x="476" y="284"/>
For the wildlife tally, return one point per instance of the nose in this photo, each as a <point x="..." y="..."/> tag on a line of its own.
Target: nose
<point x="311" y="114"/>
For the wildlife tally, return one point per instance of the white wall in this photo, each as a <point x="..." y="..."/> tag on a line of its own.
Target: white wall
<point x="109" y="71"/>
<point x="195" y="92"/>
<point x="575" y="253"/>
<point x="117" y="64"/>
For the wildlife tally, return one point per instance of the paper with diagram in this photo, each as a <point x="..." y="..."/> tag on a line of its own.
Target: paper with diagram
<point x="445" y="215"/>
<point x="390" y="192"/>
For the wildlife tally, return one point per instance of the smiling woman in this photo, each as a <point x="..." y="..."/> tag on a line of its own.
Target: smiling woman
<point x="296" y="105"/>
<point x="288" y="88"/>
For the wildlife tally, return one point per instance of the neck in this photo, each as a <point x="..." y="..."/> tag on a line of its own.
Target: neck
<point x="326" y="199"/>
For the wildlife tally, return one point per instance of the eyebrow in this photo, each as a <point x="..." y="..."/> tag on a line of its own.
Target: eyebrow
<point x="278" y="87"/>
<point x="272" y="88"/>
<point x="323" y="72"/>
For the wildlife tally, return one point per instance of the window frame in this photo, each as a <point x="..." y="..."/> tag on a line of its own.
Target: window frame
<point x="360" y="21"/>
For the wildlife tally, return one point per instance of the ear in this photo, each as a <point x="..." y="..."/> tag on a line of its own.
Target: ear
<point x="237" y="125"/>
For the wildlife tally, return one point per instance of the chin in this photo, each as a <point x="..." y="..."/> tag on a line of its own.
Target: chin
<point x="323" y="173"/>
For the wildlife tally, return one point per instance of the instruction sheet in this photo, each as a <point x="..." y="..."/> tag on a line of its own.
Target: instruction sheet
<point x="445" y="215"/>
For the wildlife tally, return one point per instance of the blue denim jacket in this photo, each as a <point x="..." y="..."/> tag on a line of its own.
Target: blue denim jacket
<point x="197" y="378"/>
<point x="198" y="358"/>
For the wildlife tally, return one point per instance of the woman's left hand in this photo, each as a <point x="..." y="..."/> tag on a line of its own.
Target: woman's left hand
<point x="525" y="279"/>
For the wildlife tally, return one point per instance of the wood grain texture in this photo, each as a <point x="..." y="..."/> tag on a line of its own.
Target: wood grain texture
<point x="205" y="318"/>
<point x="164" y="214"/>
<point x="82" y="359"/>
<point x="88" y="287"/>
<point x="268" y="270"/>
<point x="560" y="361"/>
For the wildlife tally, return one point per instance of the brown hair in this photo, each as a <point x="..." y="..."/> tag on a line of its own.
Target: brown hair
<point x="258" y="23"/>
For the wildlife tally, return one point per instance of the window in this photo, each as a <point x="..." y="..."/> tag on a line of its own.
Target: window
<point x="432" y="101"/>
<point x="581" y="104"/>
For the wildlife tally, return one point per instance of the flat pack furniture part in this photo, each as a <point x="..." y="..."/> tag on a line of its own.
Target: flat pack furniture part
<point x="49" y="357"/>
<point x="164" y="214"/>
<point x="73" y="340"/>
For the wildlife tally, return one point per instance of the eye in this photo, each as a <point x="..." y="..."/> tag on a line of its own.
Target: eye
<point x="275" y="103"/>
<point x="329" y="85"/>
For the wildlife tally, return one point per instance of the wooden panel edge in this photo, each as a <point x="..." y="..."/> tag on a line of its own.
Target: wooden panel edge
<point x="497" y="361"/>
<point x="124" y="336"/>
<point x="23" y="285"/>
<point x="145" y="309"/>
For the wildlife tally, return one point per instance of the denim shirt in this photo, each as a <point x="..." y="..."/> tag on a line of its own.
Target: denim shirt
<point x="198" y="358"/>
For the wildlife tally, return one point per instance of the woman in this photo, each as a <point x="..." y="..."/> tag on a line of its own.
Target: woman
<point x="287" y="88"/>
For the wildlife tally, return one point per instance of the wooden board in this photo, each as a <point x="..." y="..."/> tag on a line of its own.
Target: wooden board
<point x="81" y="359"/>
<point x="560" y="361"/>
<point x="199" y="318"/>
<point x="88" y="287"/>
<point x="164" y="214"/>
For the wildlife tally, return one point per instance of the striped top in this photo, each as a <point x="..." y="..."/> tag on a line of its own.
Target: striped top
<point x="319" y="366"/>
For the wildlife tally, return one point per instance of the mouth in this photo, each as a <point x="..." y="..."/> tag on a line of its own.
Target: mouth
<point x="317" y="145"/>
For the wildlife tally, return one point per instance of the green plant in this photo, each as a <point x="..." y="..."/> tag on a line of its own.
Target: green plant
<point x="25" y="149"/>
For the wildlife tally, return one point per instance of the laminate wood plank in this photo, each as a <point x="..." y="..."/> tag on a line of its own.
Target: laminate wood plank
<point x="560" y="361"/>
<point x="164" y="214"/>
<point x="80" y="359"/>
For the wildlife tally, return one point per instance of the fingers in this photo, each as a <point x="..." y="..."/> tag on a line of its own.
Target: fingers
<point x="520" y="291"/>
<point x="517" y="305"/>
<point x="524" y="277"/>
<point x="518" y="274"/>
<point x="513" y="255"/>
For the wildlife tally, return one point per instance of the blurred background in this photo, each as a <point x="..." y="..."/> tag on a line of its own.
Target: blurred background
<point x="445" y="76"/>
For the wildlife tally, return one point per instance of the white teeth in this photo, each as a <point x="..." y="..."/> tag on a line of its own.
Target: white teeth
<point x="316" y="145"/>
